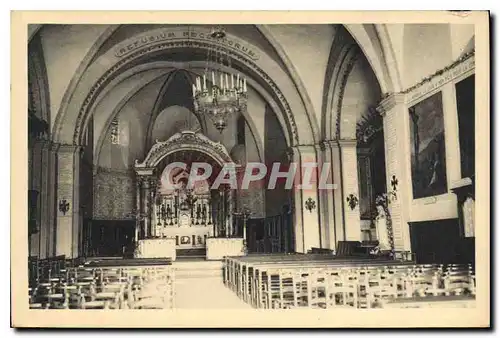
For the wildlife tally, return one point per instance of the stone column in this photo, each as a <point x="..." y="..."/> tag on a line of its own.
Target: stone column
<point x="350" y="189"/>
<point x="68" y="201"/>
<point x="45" y="201"/>
<point x="339" y="233"/>
<point x="52" y="199"/>
<point x="230" y="211"/>
<point x="151" y="201"/>
<point x="298" y="208"/>
<point x="145" y="207"/>
<point x="327" y="212"/>
<point x="397" y="162"/>
<point x="138" y="208"/>
<point x="36" y="184"/>
<point x="307" y="227"/>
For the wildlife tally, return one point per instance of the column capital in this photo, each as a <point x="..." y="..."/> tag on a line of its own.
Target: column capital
<point x="144" y="172"/>
<point x="389" y="102"/>
<point x="69" y="148"/>
<point x="54" y="147"/>
<point x="338" y="143"/>
<point x="304" y="147"/>
<point x="138" y="181"/>
<point x="42" y="143"/>
<point x="145" y="182"/>
<point x="47" y="144"/>
<point x="152" y="180"/>
<point x="328" y="144"/>
<point x="347" y="143"/>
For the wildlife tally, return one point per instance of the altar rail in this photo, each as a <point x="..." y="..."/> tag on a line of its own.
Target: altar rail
<point x="325" y="281"/>
<point x="125" y="287"/>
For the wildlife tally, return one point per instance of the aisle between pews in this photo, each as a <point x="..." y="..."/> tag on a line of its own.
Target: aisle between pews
<point x="207" y="293"/>
<point x="199" y="285"/>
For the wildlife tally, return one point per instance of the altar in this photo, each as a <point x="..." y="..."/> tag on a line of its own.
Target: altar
<point x="156" y="248"/>
<point x="173" y="214"/>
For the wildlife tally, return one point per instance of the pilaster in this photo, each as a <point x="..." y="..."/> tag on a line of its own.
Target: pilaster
<point x="45" y="200"/>
<point x="338" y="199"/>
<point x="307" y="231"/>
<point x="145" y="207"/>
<point x="350" y="189"/>
<point x="68" y="201"/>
<point x="52" y="197"/>
<point x="298" y="221"/>
<point x="36" y="184"/>
<point x="138" y="208"/>
<point x="327" y="199"/>
<point x="151" y="201"/>
<point x="393" y="109"/>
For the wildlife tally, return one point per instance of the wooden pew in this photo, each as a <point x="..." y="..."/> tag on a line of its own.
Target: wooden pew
<point x="293" y="280"/>
<point x="106" y="288"/>
<point x="265" y="273"/>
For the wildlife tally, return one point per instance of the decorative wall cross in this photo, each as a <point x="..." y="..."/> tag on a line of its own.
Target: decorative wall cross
<point x="310" y="204"/>
<point x="352" y="200"/>
<point x="394" y="183"/>
<point x="63" y="206"/>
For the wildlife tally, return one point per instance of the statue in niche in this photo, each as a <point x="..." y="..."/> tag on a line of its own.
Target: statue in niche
<point x="382" y="233"/>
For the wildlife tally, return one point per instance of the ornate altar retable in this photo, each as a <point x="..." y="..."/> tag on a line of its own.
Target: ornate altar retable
<point x="172" y="215"/>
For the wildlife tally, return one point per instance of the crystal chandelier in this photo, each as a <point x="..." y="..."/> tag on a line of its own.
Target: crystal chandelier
<point x="218" y="94"/>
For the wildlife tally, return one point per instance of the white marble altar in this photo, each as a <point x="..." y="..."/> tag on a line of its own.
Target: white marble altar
<point x="218" y="248"/>
<point x="156" y="248"/>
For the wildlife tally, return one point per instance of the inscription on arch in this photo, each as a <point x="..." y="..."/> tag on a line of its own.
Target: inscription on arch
<point x="169" y="34"/>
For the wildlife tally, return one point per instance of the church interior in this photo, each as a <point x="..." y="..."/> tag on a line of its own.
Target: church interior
<point x="389" y="109"/>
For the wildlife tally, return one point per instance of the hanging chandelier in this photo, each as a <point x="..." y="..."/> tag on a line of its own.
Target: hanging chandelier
<point x="216" y="93"/>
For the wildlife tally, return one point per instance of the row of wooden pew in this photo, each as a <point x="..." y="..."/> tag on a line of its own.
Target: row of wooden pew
<point x="83" y="287"/>
<point x="43" y="269"/>
<point x="325" y="281"/>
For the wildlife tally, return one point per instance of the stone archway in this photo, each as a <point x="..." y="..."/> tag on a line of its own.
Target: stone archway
<point x="186" y="140"/>
<point x="351" y="48"/>
<point x="251" y="61"/>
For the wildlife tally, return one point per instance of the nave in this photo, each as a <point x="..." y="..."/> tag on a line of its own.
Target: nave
<point x="259" y="281"/>
<point x="114" y="144"/>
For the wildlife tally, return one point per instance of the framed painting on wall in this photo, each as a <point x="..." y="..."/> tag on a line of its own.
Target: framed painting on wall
<point x="428" y="154"/>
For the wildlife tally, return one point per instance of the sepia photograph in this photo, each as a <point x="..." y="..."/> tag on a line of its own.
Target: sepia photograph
<point x="223" y="163"/>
